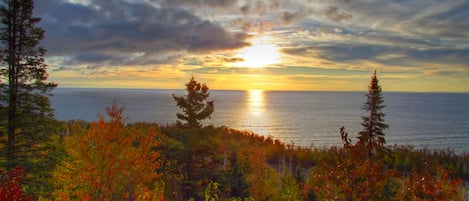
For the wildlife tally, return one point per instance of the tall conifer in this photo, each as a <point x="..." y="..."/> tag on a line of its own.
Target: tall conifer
<point x="372" y="135"/>
<point x="25" y="110"/>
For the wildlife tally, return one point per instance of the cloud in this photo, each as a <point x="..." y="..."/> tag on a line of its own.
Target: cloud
<point x="197" y="3"/>
<point x="210" y="60"/>
<point x="421" y="37"/>
<point x="120" y="28"/>
<point x="449" y="22"/>
<point x="279" y="71"/>
<point x="363" y="56"/>
<point x="434" y="19"/>
<point x="244" y="9"/>
<point x="333" y="13"/>
<point x="139" y="59"/>
<point x="288" y="17"/>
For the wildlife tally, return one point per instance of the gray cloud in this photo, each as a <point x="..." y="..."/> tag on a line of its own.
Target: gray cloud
<point x="420" y="34"/>
<point x="431" y="19"/>
<point x="451" y="23"/>
<point x="333" y="13"/>
<point x="342" y="32"/>
<point x="259" y="7"/>
<point x="118" y="28"/>
<point x="198" y="3"/>
<point x="288" y="17"/>
<point x="244" y="9"/>
<point x="392" y="56"/>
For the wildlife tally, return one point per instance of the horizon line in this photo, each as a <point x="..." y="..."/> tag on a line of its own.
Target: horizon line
<point x="268" y="90"/>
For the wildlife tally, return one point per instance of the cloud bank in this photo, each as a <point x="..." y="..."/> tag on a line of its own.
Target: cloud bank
<point x="421" y="39"/>
<point x="116" y="30"/>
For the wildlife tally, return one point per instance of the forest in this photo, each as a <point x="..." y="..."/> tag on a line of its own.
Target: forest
<point x="42" y="158"/>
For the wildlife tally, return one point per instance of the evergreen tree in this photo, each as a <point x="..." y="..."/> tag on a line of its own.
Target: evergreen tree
<point x="194" y="105"/>
<point x="372" y="136"/>
<point x="25" y="110"/>
<point x="237" y="179"/>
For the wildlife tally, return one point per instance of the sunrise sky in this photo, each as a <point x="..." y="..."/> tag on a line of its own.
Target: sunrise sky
<point x="333" y="45"/>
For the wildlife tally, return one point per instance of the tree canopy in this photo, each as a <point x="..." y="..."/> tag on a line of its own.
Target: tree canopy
<point x="194" y="105"/>
<point x="109" y="162"/>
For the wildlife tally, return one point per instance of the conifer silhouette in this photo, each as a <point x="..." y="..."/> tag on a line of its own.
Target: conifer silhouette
<point x="194" y="105"/>
<point x="372" y="135"/>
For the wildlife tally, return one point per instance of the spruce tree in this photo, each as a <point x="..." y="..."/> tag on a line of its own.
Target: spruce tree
<point x="194" y="106"/>
<point x="372" y="135"/>
<point x="25" y="110"/>
<point x="236" y="179"/>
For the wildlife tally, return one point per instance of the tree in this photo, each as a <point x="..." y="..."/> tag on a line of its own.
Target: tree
<point x="372" y="136"/>
<point x="236" y="178"/>
<point x="356" y="171"/>
<point x="25" y="110"/>
<point x="109" y="162"/>
<point x="194" y="105"/>
<point x="263" y="180"/>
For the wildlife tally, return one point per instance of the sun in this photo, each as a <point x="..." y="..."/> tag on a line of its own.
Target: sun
<point x="262" y="52"/>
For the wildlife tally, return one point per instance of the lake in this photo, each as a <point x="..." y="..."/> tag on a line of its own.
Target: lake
<point x="304" y="118"/>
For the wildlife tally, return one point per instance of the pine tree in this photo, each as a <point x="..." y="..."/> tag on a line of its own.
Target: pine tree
<point x="25" y="110"/>
<point x="194" y="105"/>
<point x="372" y="136"/>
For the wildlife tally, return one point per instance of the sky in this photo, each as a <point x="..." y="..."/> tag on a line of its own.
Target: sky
<point x="333" y="45"/>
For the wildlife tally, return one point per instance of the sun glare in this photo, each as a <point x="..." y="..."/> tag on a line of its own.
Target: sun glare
<point x="262" y="52"/>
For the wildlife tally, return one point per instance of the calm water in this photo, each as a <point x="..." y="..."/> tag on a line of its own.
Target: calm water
<point x="431" y="120"/>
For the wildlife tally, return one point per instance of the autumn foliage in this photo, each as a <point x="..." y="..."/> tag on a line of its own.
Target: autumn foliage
<point x="368" y="170"/>
<point x="109" y="162"/>
<point x="11" y="187"/>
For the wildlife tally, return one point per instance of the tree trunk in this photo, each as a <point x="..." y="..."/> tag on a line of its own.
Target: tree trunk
<point x="12" y="86"/>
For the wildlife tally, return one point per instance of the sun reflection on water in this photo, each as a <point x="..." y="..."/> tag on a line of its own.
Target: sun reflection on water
<point x="256" y="102"/>
<point x="255" y="116"/>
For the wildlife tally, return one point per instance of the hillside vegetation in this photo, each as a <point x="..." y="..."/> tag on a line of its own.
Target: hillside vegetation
<point x="111" y="160"/>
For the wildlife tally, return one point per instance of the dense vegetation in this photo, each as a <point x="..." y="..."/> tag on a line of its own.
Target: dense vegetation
<point x="112" y="160"/>
<point x="26" y="118"/>
<point x="45" y="159"/>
